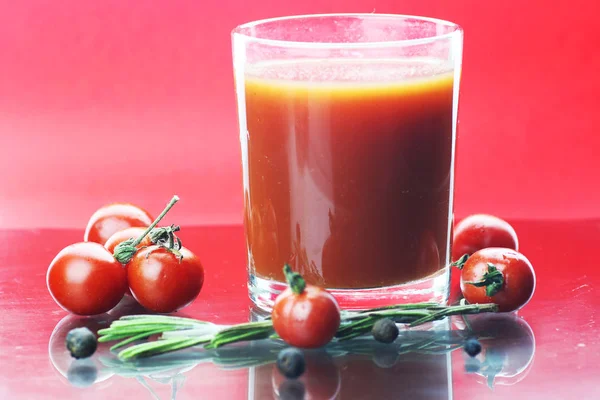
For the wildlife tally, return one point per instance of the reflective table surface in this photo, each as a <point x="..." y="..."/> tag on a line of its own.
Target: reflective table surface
<point x="550" y="350"/>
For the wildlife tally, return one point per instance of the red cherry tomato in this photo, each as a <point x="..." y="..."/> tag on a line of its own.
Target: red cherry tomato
<point x="513" y="286"/>
<point x="85" y="279"/>
<point x="125" y="234"/>
<point x="480" y="231"/>
<point x="161" y="282"/>
<point x="455" y="293"/>
<point x="113" y="218"/>
<point x="306" y="320"/>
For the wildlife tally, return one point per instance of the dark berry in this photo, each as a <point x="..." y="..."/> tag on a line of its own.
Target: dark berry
<point x="472" y="347"/>
<point x="291" y="362"/>
<point x="385" y="330"/>
<point x="81" y="342"/>
<point x="291" y="390"/>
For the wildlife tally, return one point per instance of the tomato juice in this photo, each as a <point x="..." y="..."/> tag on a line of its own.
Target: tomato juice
<point x="348" y="169"/>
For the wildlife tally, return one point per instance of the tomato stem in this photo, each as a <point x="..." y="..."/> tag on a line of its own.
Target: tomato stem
<point x="493" y="280"/>
<point x="294" y="280"/>
<point x="125" y="251"/>
<point x="165" y="235"/>
<point x="174" y="200"/>
<point x="460" y="263"/>
<point x="165" y="238"/>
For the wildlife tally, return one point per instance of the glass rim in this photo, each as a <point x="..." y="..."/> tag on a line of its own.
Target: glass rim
<point x="457" y="31"/>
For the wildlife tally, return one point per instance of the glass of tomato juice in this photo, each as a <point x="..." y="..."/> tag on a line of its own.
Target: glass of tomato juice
<point x="348" y="128"/>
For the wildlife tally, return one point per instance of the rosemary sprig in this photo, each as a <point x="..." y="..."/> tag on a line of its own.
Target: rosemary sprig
<point x="132" y="328"/>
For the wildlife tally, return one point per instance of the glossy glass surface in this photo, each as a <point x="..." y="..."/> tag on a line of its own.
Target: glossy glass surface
<point x="549" y="351"/>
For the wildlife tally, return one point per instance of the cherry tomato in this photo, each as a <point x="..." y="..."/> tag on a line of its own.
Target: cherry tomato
<point x="85" y="279"/>
<point x="307" y="320"/>
<point x="480" y="231"/>
<point x="455" y="294"/>
<point x="113" y="218"/>
<point x="509" y="278"/>
<point x="125" y="234"/>
<point x="161" y="282"/>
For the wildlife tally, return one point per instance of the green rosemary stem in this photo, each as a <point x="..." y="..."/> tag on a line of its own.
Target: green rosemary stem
<point x="133" y="328"/>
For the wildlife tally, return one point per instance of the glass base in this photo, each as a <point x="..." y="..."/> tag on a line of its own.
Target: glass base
<point x="434" y="288"/>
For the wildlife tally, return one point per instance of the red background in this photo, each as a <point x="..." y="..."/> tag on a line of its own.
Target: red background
<point x="116" y="100"/>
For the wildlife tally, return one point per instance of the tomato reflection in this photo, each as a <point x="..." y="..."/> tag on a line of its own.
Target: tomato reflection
<point x="83" y="372"/>
<point x="508" y="348"/>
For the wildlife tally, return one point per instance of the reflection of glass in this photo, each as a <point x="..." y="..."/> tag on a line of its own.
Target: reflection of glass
<point x="347" y="129"/>
<point x="508" y="348"/>
<point x="322" y="379"/>
<point x="365" y="369"/>
<point x="165" y="371"/>
<point x="416" y="365"/>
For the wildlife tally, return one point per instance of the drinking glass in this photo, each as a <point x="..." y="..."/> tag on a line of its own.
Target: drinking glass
<point x="347" y="127"/>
